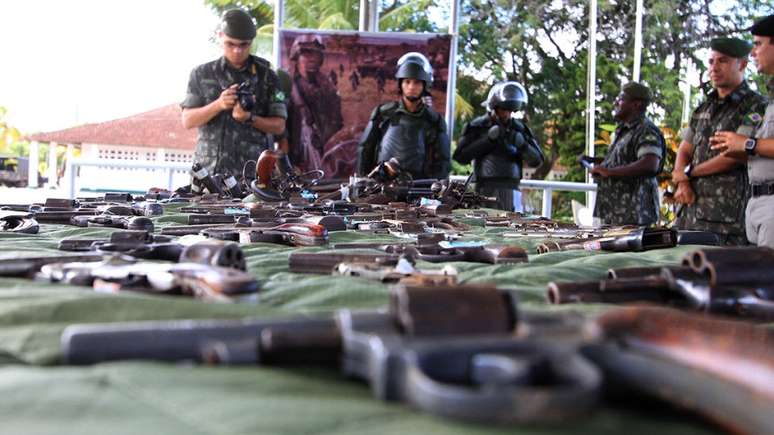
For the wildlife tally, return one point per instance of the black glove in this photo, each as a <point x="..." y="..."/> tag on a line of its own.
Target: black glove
<point x="495" y="132"/>
<point x="517" y="139"/>
<point x="518" y="126"/>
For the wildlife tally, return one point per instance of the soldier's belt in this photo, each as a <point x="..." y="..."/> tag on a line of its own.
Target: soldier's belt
<point x="762" y="189"/>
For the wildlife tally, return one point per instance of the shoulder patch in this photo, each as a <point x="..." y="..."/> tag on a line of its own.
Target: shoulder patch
<point x="649" y="137"/>
<point x="279" y="96"/>
<point x="753" y="118"/>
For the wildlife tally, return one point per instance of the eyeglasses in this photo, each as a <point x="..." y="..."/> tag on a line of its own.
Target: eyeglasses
<point x="241" y="45"/>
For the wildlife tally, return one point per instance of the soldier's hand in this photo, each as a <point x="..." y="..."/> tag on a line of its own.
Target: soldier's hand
<point x="228" y="98"/>
<point x="679" y="176"/>
<point x="600" y="171"/>
<point x="239" y="114"/>
<point x="518" y="126"/>
<point x="728" y="142"/>
<point x="517" y="139"/>
<point x="684" y="193"/>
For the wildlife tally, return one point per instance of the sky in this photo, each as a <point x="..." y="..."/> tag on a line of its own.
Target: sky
<point x="71" y="62"/>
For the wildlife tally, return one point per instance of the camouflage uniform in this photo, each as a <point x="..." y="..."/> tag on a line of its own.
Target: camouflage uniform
<point x="315" y="116"/>
<point x="720" y="198"/>
<point x="630" y="200"/>
<point x="224" y="144"/>
<point x="760" y="170"/>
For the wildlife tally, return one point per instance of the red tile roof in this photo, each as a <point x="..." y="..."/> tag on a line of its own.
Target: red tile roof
<point x="158" y="128"/>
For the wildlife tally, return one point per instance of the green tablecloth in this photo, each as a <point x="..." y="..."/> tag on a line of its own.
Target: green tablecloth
<point x="40" y="396"/>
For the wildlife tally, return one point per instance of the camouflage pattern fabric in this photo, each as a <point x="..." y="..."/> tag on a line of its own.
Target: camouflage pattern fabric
<point x="630" y="200"/>
<point x="225" y="144"/>
<point x="315" y="116"/>
<point x="721" y="198"/>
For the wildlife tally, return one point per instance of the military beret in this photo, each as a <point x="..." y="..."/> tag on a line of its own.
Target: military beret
<point x="733" y="47"/>
<point x="764" y="27"/>
<point x="637" y="91"/>
<point x="238" y="24"/>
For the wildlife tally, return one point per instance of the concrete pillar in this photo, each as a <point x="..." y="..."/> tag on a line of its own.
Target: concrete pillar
<point x="52" y="176"/>
<point x="33" y="165"/>
<point x="67" y="176"/>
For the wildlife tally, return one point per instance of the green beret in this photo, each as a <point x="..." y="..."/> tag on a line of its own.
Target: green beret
<point x="733" y="47"/>
<point x="637" y="91"/>
<point x="238" y="24"/>
<point x="764" y="27"/>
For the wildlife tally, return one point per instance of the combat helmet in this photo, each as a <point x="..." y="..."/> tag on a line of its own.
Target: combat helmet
<point x="415" y="65"/>
<point x="508" y="96"/>
<point x="306" y="43"/>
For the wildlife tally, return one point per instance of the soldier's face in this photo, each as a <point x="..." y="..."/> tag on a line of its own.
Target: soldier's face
<point x="412" y="88"/>
<point x="725" y="71"/>
<point x="310" y="62"/>
<point x="502" y="115"/>
<point x="763" y="53"/>
<point x="625" y="106"/>
<point x="236" y="51"/>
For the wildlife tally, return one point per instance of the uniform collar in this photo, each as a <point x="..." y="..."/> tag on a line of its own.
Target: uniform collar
<point x="402" y="108"/>
<point x="633" y="123"/>
<point x="735" y="96"/>
<point x="223" y="63"/>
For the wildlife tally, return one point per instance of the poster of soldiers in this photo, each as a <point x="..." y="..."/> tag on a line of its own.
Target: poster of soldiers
<point x="337" y="79"/>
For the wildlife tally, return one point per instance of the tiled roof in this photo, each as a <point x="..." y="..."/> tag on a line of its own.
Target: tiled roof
<point x="158" y="128"/>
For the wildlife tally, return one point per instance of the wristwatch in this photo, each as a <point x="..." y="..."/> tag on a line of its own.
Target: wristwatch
<point x="250" y="120"/>
<point x="750" y="144"/>
<point x="687" y="171"/>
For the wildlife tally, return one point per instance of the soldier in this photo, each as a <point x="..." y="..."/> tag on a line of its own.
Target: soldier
<point x="229" y="134"/>
<point x="712" y="186"/>
<point x="627" y="193"/>
<point x="407" y="129"/>
<point x="499" y="145"/>
<point x="315" y="106"/>
<point x="758" y="147"/>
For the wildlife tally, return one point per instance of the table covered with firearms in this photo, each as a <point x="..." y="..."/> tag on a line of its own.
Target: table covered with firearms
<point x="213" y="316"/>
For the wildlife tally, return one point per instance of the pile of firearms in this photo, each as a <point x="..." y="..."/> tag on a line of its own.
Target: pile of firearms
<point x="453" y="350"/>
